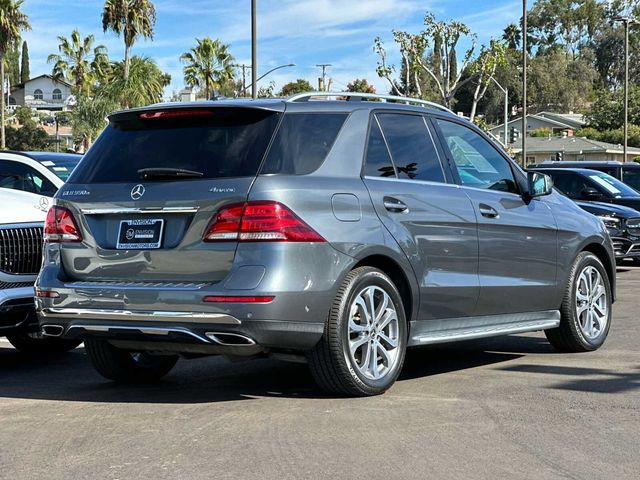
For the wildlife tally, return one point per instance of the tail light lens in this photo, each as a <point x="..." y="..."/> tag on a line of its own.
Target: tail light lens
<point x="259" y="222"/>
<point x="60" y="226"/>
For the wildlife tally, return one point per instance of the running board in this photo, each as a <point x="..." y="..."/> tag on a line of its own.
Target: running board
<point x="427" y="332"/>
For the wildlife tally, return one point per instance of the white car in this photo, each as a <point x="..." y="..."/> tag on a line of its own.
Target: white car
<point x="22" y="218"/>
<point x="41" y="173"/>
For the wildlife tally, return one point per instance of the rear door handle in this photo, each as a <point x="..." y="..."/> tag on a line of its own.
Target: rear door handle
<point x="487" y="211"/>
<point x="394" y="205"/>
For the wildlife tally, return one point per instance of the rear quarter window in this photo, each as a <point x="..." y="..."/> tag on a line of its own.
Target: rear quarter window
<point x="302" y="142"/>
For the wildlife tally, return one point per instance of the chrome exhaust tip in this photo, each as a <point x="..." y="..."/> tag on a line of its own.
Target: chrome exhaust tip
<point x="230" y="339"/>
<point x="52" y="330"/>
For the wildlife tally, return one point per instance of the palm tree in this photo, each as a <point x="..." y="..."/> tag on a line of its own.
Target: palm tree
<point x="132" y="19"/>
<point x="208" y="65"/>
<point x="145" y="84"/>
<point x="12" y="21"/>
<point x="79" y="62"/>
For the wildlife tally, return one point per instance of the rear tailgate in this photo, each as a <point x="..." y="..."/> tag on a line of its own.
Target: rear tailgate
<point x="150" y="229"/>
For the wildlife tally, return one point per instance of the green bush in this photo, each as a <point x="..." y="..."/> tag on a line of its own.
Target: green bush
<point x="541" y="132"/>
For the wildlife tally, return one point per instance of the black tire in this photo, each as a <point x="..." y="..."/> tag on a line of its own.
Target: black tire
<point x="38" y="345"/>
<point x="331" y="362"/>
<point x="127" y="367"/>
<point x="569" y="337"/>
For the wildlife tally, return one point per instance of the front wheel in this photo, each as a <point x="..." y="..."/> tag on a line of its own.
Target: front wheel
<point x="363" y="347"/>
<point x="127" y="367"/>
<point x="586" y="308"/>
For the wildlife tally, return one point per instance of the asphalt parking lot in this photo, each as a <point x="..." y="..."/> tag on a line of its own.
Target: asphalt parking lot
<point x="504" y="408"/>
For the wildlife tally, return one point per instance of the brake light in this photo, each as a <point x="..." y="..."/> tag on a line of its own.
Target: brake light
<point x="237" y="299"/>
<point x="259" y="221"/>
<point x="186" y="112"/>
<point x="60" y="226"/>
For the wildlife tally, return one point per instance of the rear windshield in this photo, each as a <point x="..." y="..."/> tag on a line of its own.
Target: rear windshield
<point x="225" y="142"/>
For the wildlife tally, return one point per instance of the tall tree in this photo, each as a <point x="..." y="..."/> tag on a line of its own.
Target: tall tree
<point x="299" y="86"/>
<point x="145" y="84"/>
<point x="88" y="118"/>
<point x="79" y="62"/>
<point x="12" y="22"/>
<point x="444" y="71"/>
<point x="131" y="19"/>
<point x="491" y="58"/>
<point x="12" y="66"/>
<point x="208" y="65"/>
<point x="25" y="68"/>
<point x="360" y="85"/>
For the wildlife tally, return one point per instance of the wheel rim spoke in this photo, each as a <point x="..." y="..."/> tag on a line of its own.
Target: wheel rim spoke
<point x="592" y="303"/>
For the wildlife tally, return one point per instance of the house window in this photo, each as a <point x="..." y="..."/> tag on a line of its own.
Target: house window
<point x="37" y="94"/>
<point x="57" y="94"/>
<point x="12" y="100"/>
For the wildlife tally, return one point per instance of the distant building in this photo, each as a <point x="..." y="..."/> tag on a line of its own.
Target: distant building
<point x="42" y="93"/>
<point x="540" y="149"/>
<point x="558" y="123"/>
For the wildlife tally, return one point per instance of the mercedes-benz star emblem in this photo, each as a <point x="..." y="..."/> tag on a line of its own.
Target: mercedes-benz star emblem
<point x="137" y="192"/>
<point x="44" y="204"/>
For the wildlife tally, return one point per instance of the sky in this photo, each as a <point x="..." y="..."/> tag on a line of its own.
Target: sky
<point x="302" y="32"/>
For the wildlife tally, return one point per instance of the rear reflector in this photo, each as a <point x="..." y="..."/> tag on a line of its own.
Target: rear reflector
<point x="259" y="221"/>
<point x="47" y="294"/>
<point x="60" y="226"/>
<point x="236" y="299"/>
<point x="186" y="112"/>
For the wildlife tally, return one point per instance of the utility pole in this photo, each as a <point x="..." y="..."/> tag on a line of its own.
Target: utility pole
<point x="628" y="21"/>
<point x="244" y="68"/>
<point x="254" y="53"/>
<point x="506" y="111"/>
<point x="323" y="82"/>
<point x="524" y="84"/>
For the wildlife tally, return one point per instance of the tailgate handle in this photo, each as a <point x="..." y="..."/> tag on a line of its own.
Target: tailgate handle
<point x="394" y="205"/>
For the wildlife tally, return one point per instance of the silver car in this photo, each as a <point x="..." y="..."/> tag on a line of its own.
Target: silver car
<point x="338" y="229"/>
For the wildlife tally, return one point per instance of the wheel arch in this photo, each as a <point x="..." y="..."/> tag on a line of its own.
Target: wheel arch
<point x="603" y="255"/>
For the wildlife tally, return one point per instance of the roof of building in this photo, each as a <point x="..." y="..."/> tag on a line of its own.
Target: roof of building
<point x="573" y="145"/>
<point x="555" y="120"/>
<point x="62" y="81"/>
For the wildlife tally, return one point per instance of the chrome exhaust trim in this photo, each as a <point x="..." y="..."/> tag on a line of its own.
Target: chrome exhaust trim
<point x="52" y="330"/>
<point x="230" y="339"/>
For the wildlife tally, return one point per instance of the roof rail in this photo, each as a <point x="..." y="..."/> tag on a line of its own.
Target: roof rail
<point x="357" y="96"/>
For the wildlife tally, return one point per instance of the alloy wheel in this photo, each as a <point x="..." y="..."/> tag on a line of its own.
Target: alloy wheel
<point x="592" y="306"/>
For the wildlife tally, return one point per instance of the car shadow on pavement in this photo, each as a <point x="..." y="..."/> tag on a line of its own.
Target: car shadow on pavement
<point x="595" y="380"/>
<point x="70" y="377"/>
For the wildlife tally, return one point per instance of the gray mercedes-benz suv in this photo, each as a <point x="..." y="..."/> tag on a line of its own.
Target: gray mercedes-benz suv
<point x="337" y="231"/>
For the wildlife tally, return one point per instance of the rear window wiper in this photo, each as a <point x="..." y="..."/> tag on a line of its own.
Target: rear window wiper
<point x="168" y="173"/>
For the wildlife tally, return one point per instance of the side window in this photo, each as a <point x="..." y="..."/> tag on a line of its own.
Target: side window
<point x="412" y="149"/>
<point x="17" y="176"/>
<point x="378" y="162"/>
<point x="478" y="163"/>
<point x="570" y="184"/>
<point x="303" y="142"/>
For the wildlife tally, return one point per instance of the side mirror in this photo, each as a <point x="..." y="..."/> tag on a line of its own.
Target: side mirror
<point x="590" y="193"/>
<point x="539" y="184"/>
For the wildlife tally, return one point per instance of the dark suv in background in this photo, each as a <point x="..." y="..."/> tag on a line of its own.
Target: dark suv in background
<point x="337" y="232"/>
<point x="627" y="172"/>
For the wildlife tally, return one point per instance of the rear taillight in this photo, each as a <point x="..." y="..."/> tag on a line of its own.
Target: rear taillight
<point x="60" y="226"/>
<point x="259" y="222"/>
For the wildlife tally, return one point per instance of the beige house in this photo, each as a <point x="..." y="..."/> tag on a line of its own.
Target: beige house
<point x="541" y="149"/>
<point x="42" y="93"/>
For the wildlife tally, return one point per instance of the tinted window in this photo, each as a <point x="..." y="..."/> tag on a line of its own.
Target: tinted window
<point x="571" y="184"/>
<point x="18" y="176"/>
<point x="632" y="178"/>
<point x="612" y="186"/>
<point x="61" y="165"/>
<point x="378" y="162"/>
<point x="228" y="142"/>
<point x="303" y="142"/>
<point x="412" y="149"/>
<point x="479" y="164"/>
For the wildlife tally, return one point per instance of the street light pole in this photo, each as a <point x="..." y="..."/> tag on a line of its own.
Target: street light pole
<point x="524" y="84"/>
<point x="628" y="21"/>
<point x="254" y="85"/>
<point x="254" y="53"/>
<point x="506" y="110"/>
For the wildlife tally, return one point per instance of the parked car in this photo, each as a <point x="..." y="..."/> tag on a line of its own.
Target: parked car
<point x="21" y="222"/>
<point x="592" y="186"/>
<point x="42" y="173"/>
<point x="623" y="224"/>
<point x="340" y="232"/>
<point x="628" y="172"/>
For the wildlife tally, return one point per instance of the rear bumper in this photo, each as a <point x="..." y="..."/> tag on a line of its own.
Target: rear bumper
<point x="17" y="312"/>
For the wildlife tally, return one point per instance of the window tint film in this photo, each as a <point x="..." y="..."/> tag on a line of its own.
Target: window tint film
<point x="412" y="149"/>
<point x="227" y="142"/>
<point x="632" y="178"/>
<point x="478" y="163"/>
<point x="571" y="184"/>
<point x="18" y="176"/>
<point x="378" y="162"/>
<point x="303" y="142"/>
